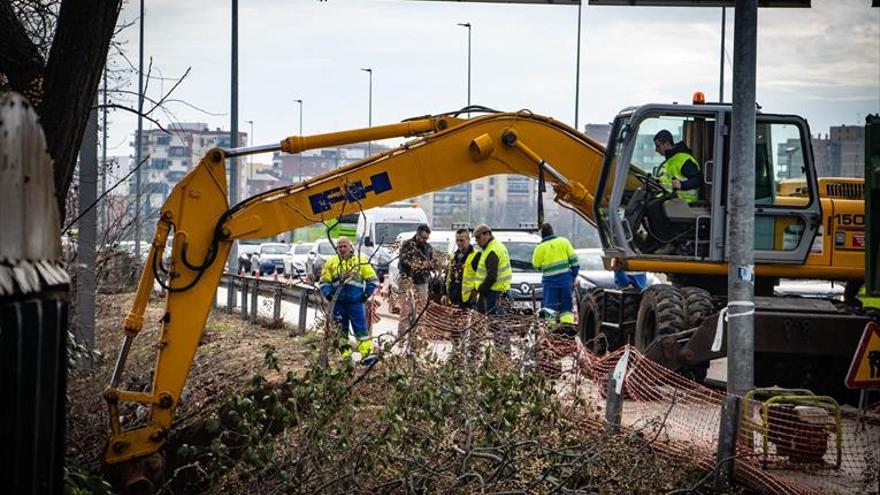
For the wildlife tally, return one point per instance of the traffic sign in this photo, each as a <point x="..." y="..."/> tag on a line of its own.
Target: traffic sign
<point x="864" y="371"/>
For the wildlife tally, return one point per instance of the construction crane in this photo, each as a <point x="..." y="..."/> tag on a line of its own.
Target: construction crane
<point x="807" y="232"/>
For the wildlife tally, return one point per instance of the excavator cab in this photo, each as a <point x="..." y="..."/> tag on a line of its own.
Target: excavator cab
<point x="787" y="220"/>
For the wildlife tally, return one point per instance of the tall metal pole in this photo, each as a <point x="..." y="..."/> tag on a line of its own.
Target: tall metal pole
<point x="468" y="185"/>
<point x="137" y="142"/>
<point x="86" y="279"/>
<point x="104" y="220"/>
<point x="299" y="158"/>
<point x="577" y="94"/>
<point x="723" y="32"/>
<point x="741" y="214"/>
<point x="469" y="64"/>
<point x="370" y="114"/>
<point x="577" y="72"/>
<point x="233" y="126"/>
<point x="250" y="173"/>
<point x="468" y="26"/>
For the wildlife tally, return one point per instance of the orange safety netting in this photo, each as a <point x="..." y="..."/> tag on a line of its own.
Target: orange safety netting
<point x="784" y="446"/>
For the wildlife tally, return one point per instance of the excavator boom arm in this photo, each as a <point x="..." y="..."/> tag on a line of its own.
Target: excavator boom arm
<point x="493" y="144"/>
<point x="450" y="151"/>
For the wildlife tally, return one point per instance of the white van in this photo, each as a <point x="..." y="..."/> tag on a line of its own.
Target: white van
<point x="381" y="226"/>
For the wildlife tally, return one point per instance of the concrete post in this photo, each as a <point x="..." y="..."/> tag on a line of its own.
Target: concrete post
<point x="244" y="299"/>
<point x="741" y="212"/>
<point x="303" y="312"/>
<point x="230" y="294"/>
<point x="276" y="304"/>
<point x="86" y="277"/>
<point x="255" y="294"/>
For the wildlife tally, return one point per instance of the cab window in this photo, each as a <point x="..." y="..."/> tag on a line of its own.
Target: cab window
<point x="780" y="166"/>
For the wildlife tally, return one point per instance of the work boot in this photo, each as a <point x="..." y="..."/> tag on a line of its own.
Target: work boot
<point x="345" y="352"/>
<point x="365" y="348"/>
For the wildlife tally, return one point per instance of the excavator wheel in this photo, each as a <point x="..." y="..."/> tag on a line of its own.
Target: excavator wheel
<point x="662" y="311"/>
<point x="590" y="320"/>
<point x="591" y="317"/>
<point x="141" y="476"/>
<point x="698" y="305"/>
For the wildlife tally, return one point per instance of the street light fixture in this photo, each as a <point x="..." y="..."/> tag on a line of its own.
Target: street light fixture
<point x="299" y="158"/>
<point x="468" y="187"/>
<point x="468" y="26"/>
<point x="251" y="159"/>
<point x="370" y="115"/>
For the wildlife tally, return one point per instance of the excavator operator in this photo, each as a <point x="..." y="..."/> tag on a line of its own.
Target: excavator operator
<point x="680" y="176"/>
<point x="349" y="277"/>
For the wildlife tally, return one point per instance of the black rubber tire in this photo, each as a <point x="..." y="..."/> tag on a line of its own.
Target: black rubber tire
<point x="698" y="305"/>
<point x="590" y="320"/>
<point x="630" y="313"/>
<point x="661" y="312"/>
<point x="591" y="317"/>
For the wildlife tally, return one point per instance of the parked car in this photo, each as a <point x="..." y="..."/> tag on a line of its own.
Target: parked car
<point x="269" y="258"/>
<point x="526" y="291"/>
<point x="295" y="262"/>
<point x="318" y="254"/>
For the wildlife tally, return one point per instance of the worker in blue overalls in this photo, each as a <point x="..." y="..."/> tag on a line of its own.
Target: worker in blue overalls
<point x="349" y="277"/>
<point x="559" y="267"/>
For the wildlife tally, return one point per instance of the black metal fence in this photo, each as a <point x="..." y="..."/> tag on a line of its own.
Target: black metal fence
<point x="243" y="291"/>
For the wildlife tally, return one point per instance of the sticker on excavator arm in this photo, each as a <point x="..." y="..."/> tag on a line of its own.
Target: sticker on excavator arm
<point x="864" y="371"/>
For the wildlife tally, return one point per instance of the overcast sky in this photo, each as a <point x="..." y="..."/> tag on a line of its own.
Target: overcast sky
<point x="822" y="63"/>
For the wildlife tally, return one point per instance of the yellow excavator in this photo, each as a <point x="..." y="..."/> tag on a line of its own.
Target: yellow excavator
<point x="811" y="232"/>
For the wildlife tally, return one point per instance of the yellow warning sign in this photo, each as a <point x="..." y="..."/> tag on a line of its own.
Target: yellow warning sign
<point x="864" y="371"/>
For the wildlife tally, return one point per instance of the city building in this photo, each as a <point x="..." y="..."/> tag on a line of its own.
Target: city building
<point x="449" y="206"/>
<point x="504" y="200"/>
<point x="841" y="152"/>
<point x="295" y="168"/>
<point x="167" y="157"/>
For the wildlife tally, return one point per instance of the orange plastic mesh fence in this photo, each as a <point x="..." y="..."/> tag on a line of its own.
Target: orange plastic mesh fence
<point x="786" y="445"/>
<point x="795" y="445"/>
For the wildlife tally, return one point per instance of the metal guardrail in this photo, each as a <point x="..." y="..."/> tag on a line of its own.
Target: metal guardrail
<point x="247" y="289"/>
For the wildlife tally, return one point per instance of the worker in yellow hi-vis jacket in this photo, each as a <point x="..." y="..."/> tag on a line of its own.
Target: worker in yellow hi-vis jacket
<point x="559" y="267"/>
<point x="350" y="277"/>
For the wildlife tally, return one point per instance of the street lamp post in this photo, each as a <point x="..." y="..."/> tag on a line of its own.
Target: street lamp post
<point x="723" y="34"/>
<point x="251" y="159"/>
<point x="370" y="115"/>
<point x="299" y="158"/>
<point x="468" y="188"/>
<point x="139" y="141"/>
<point x="468" y="26"/>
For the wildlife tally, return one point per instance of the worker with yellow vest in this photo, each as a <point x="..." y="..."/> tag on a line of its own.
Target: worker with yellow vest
<point x="461" y="277"/>
<point x="559" y="267"/>
<point x="350" y="279"/>
<point x="681" y="177"/>
<point x="492" y="271"/>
